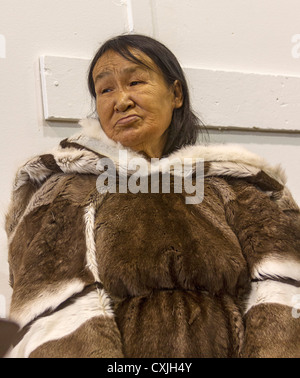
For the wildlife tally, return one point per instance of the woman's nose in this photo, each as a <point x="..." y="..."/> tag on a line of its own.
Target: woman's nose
<point x="123" y="102"/>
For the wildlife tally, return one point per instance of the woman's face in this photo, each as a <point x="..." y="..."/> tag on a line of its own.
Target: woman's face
<point x="134" y="104"/>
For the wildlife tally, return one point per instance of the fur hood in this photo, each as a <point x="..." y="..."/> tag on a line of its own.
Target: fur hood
<point x="81" y="153"/>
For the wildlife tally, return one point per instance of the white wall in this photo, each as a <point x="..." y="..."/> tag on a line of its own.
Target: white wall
<point x="259" y="38"/>
<point x="247" y="36"/>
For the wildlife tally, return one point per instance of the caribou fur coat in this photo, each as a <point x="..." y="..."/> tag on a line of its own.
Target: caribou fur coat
<point x="103" y="274"/>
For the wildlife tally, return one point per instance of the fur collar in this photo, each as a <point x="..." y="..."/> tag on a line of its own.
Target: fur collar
<point x="81" y="153"/>
<point x="94" y="138"/>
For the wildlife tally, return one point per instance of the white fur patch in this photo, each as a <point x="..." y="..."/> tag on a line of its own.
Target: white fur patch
<point x="63" y="322"/>
<point x="275" y="267"/>
<point x="91" y="258"/>
<point x="269" y="291"/>
<point x="48" y="299"/>
<point x="227" y="168"/>
<point x="72" y="160"/>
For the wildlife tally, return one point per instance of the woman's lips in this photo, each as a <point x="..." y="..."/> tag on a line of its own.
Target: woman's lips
<point x="127" y="120"/>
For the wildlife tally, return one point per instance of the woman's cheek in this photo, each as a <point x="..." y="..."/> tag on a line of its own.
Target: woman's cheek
<point x="104" y="111"/>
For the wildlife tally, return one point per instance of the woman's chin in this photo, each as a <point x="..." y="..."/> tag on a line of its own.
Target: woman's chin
<point x="130" y="137"/>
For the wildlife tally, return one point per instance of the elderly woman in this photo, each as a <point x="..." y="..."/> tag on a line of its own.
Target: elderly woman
<point x="100" y="273"/>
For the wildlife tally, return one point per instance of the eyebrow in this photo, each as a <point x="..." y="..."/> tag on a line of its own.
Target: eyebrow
<point x="127" y="70"/>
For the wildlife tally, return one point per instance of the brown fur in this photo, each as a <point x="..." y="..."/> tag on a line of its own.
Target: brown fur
<point x="174" y="323"/>
<point x="272" y="332"/>
<point x="261" y="228"/>
<point x="146" y="245"/>
<point x="85" y="342"/>
<point x="177" y="274"/>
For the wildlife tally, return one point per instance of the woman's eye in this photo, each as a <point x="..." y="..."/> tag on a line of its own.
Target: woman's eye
<point x="135" y="82"/>
<point x="106" y="90"/>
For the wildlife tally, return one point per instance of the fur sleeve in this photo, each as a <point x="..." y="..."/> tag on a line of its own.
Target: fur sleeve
<point x="267" y="224"/>
<point x="20" y="199"/>
<point x="58" y="301"/>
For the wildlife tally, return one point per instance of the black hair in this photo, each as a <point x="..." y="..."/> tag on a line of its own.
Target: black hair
<point x="185" y="125"/>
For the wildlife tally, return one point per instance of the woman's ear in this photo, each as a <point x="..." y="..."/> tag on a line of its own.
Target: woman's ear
<point x="178" y="95"/>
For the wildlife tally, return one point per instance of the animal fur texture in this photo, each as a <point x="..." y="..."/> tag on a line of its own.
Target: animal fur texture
<point x="145" y="274"/>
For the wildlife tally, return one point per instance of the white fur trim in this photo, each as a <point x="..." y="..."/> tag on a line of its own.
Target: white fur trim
<point x="93" y="137"/>
<point x="48" y="299"/>
<point x="91" y="128"/>
<point x="228" y="168"/>
<point x="228" y="159"/>
<point x="62" y="323"/>
<point x="272" y="292"/>
<point x="72" y="160"/>
<point x="33" y="170"/>
<point x="231" y="153"/>
<point x="91" y="258"/>
<point x="275" y="267"/>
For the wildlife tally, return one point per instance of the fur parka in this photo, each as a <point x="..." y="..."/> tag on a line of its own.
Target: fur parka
<point x="110" y="274"/>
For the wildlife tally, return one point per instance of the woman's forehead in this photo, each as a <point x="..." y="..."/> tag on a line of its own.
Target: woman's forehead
<point x="111" y="62"/>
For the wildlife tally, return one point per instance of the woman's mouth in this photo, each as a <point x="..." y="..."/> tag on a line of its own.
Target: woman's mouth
<point x="127" y="120"/>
